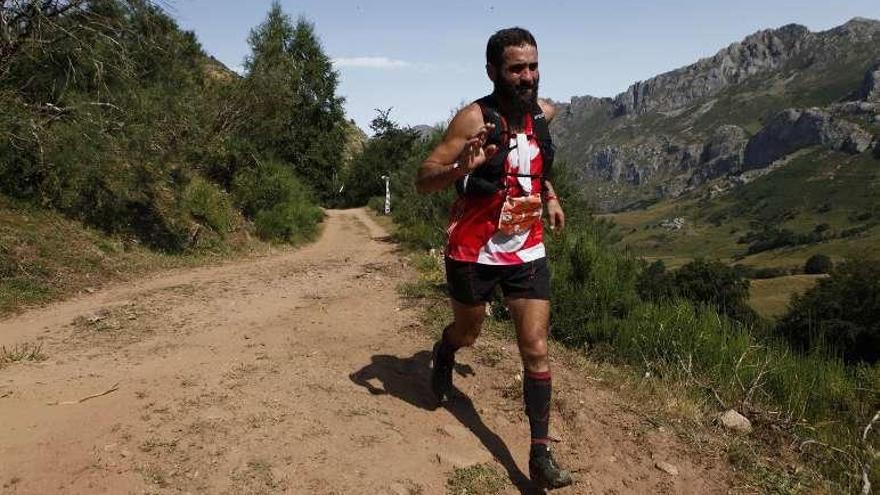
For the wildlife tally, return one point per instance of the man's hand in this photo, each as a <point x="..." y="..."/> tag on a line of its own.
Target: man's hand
<point x="462" y="150"/>
<point x="475" y="152"/>
<point x="555" y="215"/>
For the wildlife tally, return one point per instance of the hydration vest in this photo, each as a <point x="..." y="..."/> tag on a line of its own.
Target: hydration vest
<point x="489" y="178"/>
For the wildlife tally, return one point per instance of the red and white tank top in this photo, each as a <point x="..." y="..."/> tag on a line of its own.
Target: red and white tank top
<point x="473" y="227"/>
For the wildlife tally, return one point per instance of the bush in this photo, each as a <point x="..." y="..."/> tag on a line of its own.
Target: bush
<point x="713" y="282"/>
<point x="282" y="208"/>
<point x="654" y="282"/>
<point x="209" y="205"/>
<point x="590" y="283"/>
<point x="841" y="314"/>
<point x="818" y="264"/>
<point x="702" y="282"/>
<point x="291" y="222"/>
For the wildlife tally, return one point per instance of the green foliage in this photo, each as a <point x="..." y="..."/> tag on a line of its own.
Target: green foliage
<point x="112" y="116"/>
<point x="589" y="283"/>
<point x="281" y="206"/>
<point x="714" y="283"/>
<point x="293" y="111"/>
<point x="390" y="148"/>
<point x="818" y="264"/>
<point x="398" y="152"/>
<point x="840" y="314"/>
<point x="700" y="281"/>
<point x="209" y="205"/>
<point x="291" y="222"/>
<point x="773" y="237"/>
<point x="654" y="282"/>
<point x="100" y="118"/>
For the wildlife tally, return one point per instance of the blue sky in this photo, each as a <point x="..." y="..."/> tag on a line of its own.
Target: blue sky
<point x="424" y="59"/>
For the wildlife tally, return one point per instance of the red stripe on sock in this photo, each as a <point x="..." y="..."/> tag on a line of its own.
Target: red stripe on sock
<point x="539" y="375"/>
<point x="541" y="441"/>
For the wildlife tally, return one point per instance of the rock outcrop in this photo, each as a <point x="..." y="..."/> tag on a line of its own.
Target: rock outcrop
<point x="791" y="130"/>
<point x="871" y="87"/>
<point x="763" y="51"/>
<point x="722" y="154"/>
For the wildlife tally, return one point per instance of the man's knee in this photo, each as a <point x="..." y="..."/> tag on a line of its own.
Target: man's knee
<point x="534" y="354"/>
<point x="465" y="333"/>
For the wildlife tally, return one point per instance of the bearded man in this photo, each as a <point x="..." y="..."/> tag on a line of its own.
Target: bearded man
<point x="498" y="153"/>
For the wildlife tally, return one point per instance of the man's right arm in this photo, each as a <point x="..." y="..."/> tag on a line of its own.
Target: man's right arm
<point x="460" y="152"/>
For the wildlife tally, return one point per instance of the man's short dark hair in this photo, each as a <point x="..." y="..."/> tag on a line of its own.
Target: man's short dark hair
<point x="515" y="36"/>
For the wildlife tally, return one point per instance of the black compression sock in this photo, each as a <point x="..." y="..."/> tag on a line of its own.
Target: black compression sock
<point x="446" y="351"/>
<point x="537" y="389"/>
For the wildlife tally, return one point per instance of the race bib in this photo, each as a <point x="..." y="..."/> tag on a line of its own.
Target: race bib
<point x="519" y="214"/>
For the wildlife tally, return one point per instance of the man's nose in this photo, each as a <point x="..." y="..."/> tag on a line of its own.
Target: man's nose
<point x="528" y="75"/>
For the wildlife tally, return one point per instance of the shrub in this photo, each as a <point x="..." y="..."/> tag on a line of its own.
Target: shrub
<point x="590" y="283"/>
<point x="654" y="282"/>
<point x="282" y="208"/>
<point x="818" y="264"/>
<point x="713" y="282"/>
<point x="290" y="222"/>
<point x="840" y="314"/>
<point x="702" y="282"/>
<point x="209" y="205"/>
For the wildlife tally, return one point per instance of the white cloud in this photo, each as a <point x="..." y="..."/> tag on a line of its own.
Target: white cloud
<point x="370" y="62"/>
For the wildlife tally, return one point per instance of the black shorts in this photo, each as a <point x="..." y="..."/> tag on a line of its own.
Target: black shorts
<point x="473" y="283"/>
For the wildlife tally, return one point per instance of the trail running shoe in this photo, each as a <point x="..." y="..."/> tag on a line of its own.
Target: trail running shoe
<point x="546" y="473"/>
<point x="441" y="375"/>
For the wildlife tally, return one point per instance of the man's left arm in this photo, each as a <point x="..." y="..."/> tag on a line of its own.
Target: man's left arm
<point x="555" y="215"/>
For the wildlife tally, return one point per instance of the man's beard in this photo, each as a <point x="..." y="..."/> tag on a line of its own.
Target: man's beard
<point x="518" y="99"/>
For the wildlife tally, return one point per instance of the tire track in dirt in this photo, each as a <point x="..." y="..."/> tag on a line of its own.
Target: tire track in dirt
<point x="296" y="373"/>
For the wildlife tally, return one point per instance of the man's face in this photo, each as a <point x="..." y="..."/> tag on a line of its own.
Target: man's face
<point x="516" y="80"/>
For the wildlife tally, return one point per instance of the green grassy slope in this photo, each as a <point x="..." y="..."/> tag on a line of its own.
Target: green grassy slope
<point x="45" y="256"/>
<point x="831" y="191"/>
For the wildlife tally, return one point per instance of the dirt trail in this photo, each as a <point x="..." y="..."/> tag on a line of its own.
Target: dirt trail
<point x="296" y="373"/>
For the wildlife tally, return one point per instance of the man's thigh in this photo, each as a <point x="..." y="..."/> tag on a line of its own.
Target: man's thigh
<point x="531" y="317"/>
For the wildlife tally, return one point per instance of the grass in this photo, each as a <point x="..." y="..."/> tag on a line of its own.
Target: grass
<point x="21" y="352"/>
<point x="46" y="257"/>
<point x="770" y="297"/>
<point x="816" y="187"/>
<point x="481" y="479"/>
<point x="664" y="391"/>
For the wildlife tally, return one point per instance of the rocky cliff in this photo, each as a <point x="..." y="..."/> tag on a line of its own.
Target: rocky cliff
<point x="750" y="104"/>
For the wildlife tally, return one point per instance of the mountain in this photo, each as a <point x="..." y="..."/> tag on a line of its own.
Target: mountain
<point x="424" y="130"/>
<point x="727" y="118"/>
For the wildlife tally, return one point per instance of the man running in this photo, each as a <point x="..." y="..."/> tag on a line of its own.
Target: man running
<point x="497" y="151"/>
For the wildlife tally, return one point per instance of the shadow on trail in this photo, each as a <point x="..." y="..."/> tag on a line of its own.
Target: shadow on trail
<point x="408" y="379"/>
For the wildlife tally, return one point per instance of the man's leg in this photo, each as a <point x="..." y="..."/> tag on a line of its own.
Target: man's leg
<point x="462" y="332"/>
<point x="532" y="320"/>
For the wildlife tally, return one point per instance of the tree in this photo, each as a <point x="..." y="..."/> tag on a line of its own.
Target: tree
<point x="818" y="264"/>
<point x="31" y="22"/>
<point x="700" y="281"/>
<point x="294" y="113"/>
<point x="840" y="314"/>
<point x="390" y="148"/>
<point x="713" y="282"/>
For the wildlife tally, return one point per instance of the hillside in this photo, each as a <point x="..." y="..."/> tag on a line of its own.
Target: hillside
<point x="739" y="111"/>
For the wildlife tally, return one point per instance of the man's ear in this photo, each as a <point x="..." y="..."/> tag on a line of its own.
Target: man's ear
<point x="491" y="72"/>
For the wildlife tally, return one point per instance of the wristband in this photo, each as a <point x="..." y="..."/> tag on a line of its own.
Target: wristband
<point x="550" y="197"/>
